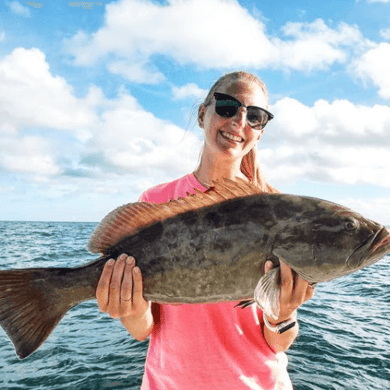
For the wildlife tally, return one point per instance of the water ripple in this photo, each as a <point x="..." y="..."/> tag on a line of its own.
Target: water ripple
<point x="344" y="340"/>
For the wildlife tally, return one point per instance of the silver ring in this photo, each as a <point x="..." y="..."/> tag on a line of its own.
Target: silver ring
<point x="125" y="300"/>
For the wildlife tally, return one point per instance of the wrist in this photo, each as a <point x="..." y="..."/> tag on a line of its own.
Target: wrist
<point x="281" y="326"/>
<point x="273" y="321"/>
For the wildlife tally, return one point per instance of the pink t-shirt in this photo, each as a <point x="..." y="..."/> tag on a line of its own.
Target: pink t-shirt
<point x="208" y="346"/>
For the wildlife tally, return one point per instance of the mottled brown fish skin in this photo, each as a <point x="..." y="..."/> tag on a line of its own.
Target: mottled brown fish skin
<point x="214" y="253"/>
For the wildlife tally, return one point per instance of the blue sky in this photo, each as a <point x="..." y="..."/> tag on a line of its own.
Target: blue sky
<point x="97" y="98"/>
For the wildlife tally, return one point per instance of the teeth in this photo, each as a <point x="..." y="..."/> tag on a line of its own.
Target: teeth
<point x="230" y="136"/>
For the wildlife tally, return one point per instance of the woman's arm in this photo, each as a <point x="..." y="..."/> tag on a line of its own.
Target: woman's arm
<point x="294" y="291"/>
<point x="119" y="293"/>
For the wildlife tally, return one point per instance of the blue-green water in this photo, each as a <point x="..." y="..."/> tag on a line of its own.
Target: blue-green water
<point x="344" y="340"/>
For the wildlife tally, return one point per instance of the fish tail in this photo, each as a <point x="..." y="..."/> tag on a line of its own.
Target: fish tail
<point x="32" y="302"/>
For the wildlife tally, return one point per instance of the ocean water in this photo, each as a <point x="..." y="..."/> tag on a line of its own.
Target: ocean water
<point x="344" y="340"/>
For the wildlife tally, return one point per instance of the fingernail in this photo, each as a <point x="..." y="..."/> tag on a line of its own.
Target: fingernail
<point x="136" y="270"/>
<point x="110" y="262"/>
<point x="122" y="256"/>
<point x="130" y="260"/>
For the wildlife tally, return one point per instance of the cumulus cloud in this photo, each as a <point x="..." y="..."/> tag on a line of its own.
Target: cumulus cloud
<point x="18" y="8"/>
<point x="46" y="131"/>
<point x="337" y="142"/>
<point x="31" y="96"/>
<point x="29" y="154"/>
<point x="190" y="90"/>
<point x="374" y="66"/>
<point x="135" y="140"/>
<point x="377" y="209"/>
<point x="136" y="72"/>
<point x="340" y="122"/>
<point x="207" y="39"/>
<point x="315" y="45"/>
<point x="385" y="33"/>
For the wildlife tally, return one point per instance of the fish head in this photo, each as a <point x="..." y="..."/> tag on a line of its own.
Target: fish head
<point x="325" y="241"/>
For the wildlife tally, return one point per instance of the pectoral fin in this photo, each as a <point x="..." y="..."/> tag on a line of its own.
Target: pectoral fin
<point x="267" y="293"/>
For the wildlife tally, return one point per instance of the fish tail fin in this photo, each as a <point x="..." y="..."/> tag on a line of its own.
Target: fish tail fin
<point x="31" y="305"/>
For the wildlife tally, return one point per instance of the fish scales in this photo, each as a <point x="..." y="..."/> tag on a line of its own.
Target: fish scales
<point x="207" y="248"/>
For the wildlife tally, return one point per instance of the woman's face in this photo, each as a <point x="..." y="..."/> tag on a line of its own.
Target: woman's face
<point x="232" y="137"/>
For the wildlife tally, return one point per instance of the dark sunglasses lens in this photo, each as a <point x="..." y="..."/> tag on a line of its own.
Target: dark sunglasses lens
<point x="257" y="117"/>
<point x="226" y="108"/>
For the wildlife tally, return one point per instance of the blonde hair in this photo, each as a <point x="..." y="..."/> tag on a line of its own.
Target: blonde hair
<point x="249" y="165"/>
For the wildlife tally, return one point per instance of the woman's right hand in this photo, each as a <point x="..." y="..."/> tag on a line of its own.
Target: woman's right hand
<point x="119" y="293"/>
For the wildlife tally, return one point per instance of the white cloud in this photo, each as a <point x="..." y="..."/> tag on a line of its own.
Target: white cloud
<point x="199" y="32"/>
<point x="374" y="66"/>
<point x="190" y="90"/>
<point x="2" y="36"/>
<point x="28" y="155"/>
<point x="315" y="45"/>
<point x="135" y="140"/>
<point x="47" y="131"/>
<point x="18" y="8"/>
<point x="337" y="142"/>
<point x="340" y="122"/>
<point x="136" y="72"/>
<point x="385" y="33"/>
<point x="377" y="209"/>
<point x="31" y="96"/>
<point x="6" y="189"/>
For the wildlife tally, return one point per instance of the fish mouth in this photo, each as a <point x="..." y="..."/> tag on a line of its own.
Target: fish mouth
<point x="376" y="246"/>
<point x="381" y="244"/>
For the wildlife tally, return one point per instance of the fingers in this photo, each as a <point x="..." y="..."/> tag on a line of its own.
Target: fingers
<point x="294" y="291"/>
<point x="119" y="291"/>
<point x="268" y="266"/>
<point x="127" y="283"/>
<point x="138" y="288"/>
<point x="286" y="278"/>
<point x="115" y="286"/>
<point x="104" y="285"/>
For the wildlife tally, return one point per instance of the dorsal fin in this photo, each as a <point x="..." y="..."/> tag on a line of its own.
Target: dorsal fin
<point x="130" y="218"/>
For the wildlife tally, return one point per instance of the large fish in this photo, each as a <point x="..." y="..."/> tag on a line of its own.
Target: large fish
<point x="208" y="247"/>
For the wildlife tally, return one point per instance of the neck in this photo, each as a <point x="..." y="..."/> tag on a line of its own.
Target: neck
<point x="213" y="168"/>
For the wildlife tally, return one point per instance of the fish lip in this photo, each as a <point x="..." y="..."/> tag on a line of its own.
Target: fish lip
<point x="360" y="252"/>
<point x="381" y="244"/>
<point x="368" y="253"/>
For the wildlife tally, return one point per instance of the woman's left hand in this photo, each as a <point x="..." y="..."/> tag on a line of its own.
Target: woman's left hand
<point x="294" y="291"/>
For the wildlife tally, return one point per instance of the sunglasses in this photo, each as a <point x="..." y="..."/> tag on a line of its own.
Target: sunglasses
<point x="227" y="106"/>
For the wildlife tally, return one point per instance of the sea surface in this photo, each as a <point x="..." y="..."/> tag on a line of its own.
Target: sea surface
<point x="344" y="340"/>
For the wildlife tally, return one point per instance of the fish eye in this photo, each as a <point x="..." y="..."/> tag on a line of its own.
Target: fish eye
<point x="350" y="224"/>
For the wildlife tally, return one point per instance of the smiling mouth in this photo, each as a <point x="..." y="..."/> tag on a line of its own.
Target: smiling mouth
<point x="231" y="137"/>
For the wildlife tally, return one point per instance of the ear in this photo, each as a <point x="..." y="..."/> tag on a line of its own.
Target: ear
<point x="201" y="114"/>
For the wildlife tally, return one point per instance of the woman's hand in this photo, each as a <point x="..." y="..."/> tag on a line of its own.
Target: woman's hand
<point x="294" y="291"/>
<point x="119" y="293"/>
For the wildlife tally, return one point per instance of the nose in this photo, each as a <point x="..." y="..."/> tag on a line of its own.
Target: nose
<point x="240" y="118"/>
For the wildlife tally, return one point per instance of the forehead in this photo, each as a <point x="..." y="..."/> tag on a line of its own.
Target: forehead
<point x="248" y="93"/>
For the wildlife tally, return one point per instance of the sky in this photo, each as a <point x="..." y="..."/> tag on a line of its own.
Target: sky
<point x="98" y="100"/>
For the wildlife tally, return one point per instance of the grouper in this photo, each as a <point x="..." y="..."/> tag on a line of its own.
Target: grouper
<point x="207" y="247"/>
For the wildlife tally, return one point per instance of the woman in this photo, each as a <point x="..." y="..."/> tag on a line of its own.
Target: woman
<point x="211" y="346"/>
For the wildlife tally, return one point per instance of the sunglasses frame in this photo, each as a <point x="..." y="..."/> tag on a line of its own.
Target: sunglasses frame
<point x="223" y="96"/>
